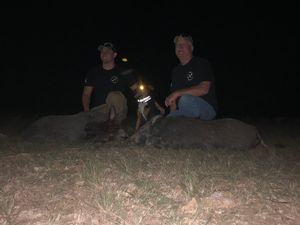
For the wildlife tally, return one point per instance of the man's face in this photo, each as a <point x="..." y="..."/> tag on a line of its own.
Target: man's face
<point x="107" y="55"/>
<point x="183" y="48"/>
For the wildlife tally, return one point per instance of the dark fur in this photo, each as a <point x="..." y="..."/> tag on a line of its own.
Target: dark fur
<point x="188" y="133"/>
<point x="62" y="128"/>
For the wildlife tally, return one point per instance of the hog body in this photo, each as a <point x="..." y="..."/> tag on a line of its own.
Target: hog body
<point x="62" y="128"/>
<point x="194" y="133"/>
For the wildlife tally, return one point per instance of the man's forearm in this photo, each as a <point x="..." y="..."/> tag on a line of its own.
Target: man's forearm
<point x="86" y="103"/>
<point x="197" y="90"/>
<point x="173" y="107"/>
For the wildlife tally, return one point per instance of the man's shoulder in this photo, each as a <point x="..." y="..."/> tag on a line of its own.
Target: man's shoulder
<point x="196" y="60"/>
<point x="176" y="67"/>
<point x="200" y="60"/>
<point x="124" y="70"/>
<point x="201" y="64"/>
<point x="93" y="70"/>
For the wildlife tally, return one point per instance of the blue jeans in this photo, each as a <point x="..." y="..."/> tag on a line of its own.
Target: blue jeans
<point x="195" y="107"/>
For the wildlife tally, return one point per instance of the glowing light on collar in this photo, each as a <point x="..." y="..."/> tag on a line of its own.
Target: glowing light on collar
<point x="144" y="100"/>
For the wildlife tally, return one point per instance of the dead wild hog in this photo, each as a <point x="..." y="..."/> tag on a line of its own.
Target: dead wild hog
<point x="194" y="133"/>
<point x="62" y="128"/>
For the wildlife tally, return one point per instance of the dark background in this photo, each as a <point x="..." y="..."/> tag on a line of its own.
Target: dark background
<point x="45" y="54"/>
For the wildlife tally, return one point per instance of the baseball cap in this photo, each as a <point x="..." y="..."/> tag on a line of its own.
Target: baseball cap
<point x="107" y="45"/>
<point x="185" y="36"/>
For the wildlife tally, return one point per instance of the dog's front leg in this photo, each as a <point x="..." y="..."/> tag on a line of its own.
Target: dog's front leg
<point x="138" y="121"/>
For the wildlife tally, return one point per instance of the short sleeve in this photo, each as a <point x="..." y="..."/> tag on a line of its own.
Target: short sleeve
<point x="205" y="70"/>
<point x="88" y="79"/>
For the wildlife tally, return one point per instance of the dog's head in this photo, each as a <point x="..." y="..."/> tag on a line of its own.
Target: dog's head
<point x="143" y="91"/>
<point x="147" y="106"/>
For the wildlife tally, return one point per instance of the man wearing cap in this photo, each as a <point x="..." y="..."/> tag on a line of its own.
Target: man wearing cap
<point x="192" y="87"/>
<point x="104" y="85"/>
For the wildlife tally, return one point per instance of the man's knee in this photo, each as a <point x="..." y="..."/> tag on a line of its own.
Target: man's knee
<point x="186" y="100"/>
<point x="119" y="101"/>
<point x="187" y="105"/>
<point x="196" y="107"/>
<point x="116" y="96"/>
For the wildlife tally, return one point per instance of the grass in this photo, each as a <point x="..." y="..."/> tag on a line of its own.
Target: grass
<point x="92" y="183"/>
<point x="7" y="206"/>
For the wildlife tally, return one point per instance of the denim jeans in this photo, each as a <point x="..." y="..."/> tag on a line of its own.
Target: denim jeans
<point x="195" y="107"/>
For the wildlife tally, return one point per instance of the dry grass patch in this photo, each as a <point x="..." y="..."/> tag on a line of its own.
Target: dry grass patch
<point x="92" y="183"/>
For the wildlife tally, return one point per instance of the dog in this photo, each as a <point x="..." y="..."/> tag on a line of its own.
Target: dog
<point x="148" y="108"/>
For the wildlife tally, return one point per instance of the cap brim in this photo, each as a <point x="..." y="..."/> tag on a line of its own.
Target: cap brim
<point x="100" y="47"/>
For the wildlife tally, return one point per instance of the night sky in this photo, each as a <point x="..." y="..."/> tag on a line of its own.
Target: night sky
<point x="45" y="55"/>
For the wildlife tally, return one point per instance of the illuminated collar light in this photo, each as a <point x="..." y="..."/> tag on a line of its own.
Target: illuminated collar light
<point x="144" y="100"/>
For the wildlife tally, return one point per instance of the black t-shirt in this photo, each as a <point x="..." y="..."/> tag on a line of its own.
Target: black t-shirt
<point x="105" y="81"/>
<point x="191" y="74"/>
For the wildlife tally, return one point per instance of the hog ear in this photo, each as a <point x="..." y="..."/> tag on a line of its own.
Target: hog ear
<point x="112" y="113"/>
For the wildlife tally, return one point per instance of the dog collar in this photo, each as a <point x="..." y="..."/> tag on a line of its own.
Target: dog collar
<point x="144" y="100"/>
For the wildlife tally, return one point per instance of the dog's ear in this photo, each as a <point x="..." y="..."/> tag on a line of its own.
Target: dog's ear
<point x="150" y="87"/>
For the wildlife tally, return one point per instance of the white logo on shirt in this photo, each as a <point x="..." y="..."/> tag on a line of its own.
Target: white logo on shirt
<point x="190" y="76"/>
<point x="114" y="79"/>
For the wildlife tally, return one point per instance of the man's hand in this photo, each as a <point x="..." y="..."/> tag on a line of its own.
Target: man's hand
<point x="197" y="90"/>
<point x="171" y="99"/>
